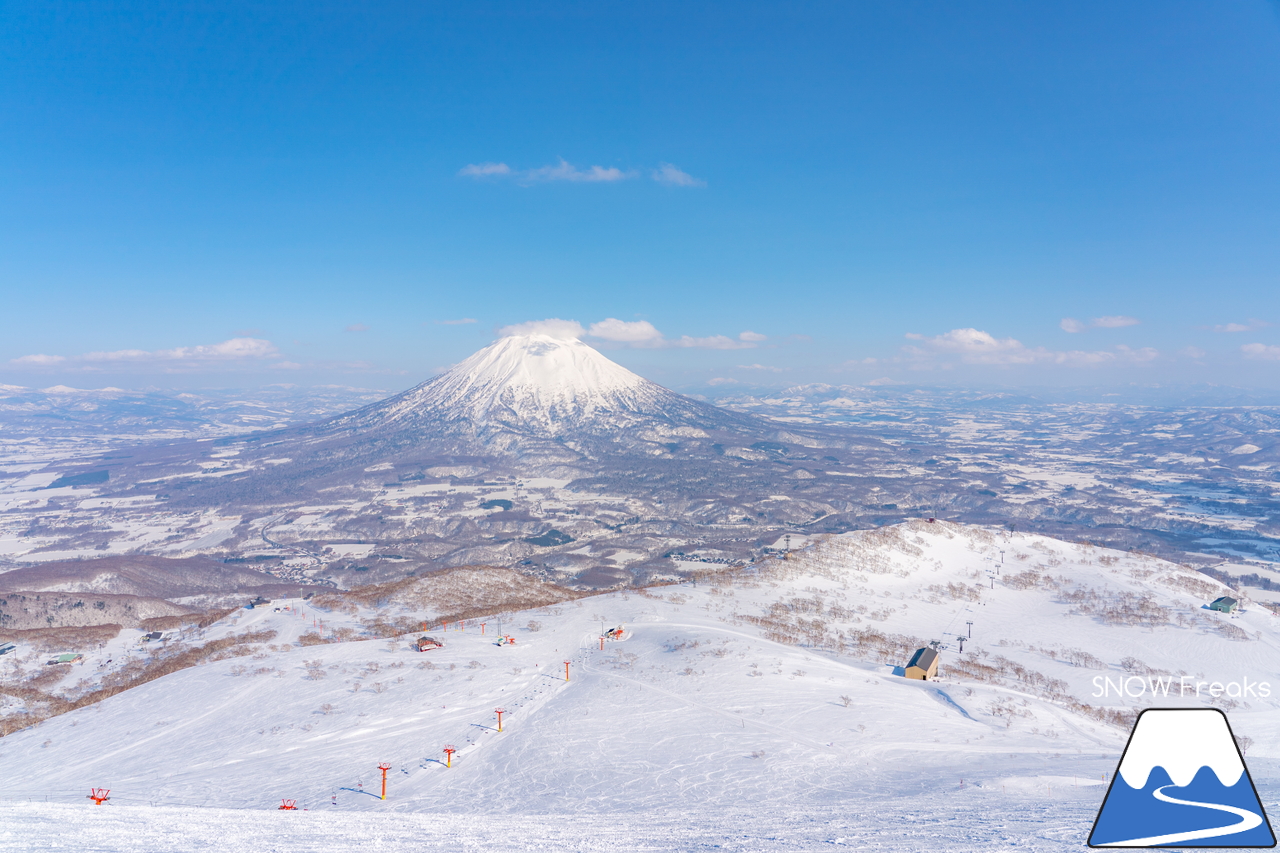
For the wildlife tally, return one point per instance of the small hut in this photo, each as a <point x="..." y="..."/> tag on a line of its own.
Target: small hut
<point x="923" y="665"/>
<point x="1225" y="604"/>
<point x="426" y="644"/>
<point x="69" y="657"/>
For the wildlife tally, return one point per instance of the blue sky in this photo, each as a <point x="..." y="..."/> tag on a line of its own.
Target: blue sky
<point x="221" y="194"/>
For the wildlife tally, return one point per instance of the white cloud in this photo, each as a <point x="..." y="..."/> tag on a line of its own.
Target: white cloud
<point x="670" y="175"/>
<point x="1241" y="327"/>
<point x="760" y="367"/>
<point x="1192" y="352"/>
<point x="712" y="342"/>
<point x="120" y="355"/>
<point x="1140" y="355"/>
<point x="883" y="380"/>
<point x="974" y="346"/>
<point x="485" y="170"/>
<point x="1074" y="326"/>
<point x="723" y="380"/>
<point x="38" y="360"/>
<point x="978" y="347"/>
<point x="229" y="351"/>
<point x="286" y="365"/>
<point x="565" y="171"/>
<point x="1113" y="322"/>
<point x="640" y="334"/>
<point x="564" y="329"/>
<point x="1262" y="352"/>
<point x="637" y="331"/>
<point x="233" y="349"/>
<point x="357" y="327"/>
<point x="463" y="322"/>
<point x="752" y="336"/>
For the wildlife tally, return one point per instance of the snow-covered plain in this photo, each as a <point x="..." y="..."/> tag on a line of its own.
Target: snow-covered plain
<point x="697" y="731"/>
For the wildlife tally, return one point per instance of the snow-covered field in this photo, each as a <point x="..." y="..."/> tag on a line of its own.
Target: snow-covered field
<point x="955" y="822"/>
<point x="758" y="710"/>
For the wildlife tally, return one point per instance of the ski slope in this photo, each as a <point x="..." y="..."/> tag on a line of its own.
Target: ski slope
<point x="698" y="730"/>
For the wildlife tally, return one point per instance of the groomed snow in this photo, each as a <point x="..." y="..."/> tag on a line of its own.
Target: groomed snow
<point x="694" y="732"/>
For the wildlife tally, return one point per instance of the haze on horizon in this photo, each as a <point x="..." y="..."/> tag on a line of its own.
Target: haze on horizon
<point x="718" y="196"/>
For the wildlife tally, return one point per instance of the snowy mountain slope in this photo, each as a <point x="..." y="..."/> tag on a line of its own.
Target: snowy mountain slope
<point x="673" y="716"/>
<point x="542" y="384"/>
<point x="775" y="686"/>
<point x="535" y="385"/>
<point x="1068" y="622"/>
<point x="698" y="705"/>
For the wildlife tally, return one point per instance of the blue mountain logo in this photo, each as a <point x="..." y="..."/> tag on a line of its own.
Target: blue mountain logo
<point x="1182" y="782"/>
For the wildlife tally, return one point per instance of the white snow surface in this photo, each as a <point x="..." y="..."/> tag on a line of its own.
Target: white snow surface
<point x="737" y="714"/>
<point x="1181" y="742"/>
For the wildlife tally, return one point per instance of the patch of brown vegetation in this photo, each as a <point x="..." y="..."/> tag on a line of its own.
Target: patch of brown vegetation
<point x="194" y="620"/>
<point x="25" y="610"/>
<point x="449" y="595"/>
<point x="47" y="640"/>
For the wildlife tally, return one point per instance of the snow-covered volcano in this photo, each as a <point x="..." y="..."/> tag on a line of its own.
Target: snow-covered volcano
<point x="541" y="385"/>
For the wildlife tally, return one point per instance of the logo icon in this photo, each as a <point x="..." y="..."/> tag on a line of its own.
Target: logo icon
<point x="1182" y="782"/>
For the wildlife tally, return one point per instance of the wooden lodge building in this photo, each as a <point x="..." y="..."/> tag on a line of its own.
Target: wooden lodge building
<point x="923" y="665"/>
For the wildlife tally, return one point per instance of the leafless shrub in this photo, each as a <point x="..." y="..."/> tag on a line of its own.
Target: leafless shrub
<point x="384" y="628"/>
<point x="326" y="709"/>
<point x="846" y="700"/>
<point x="1079" y="657"/>
<point x="47" y="640"/>
<point x="1112" y="607"/>
<point x="957" y="592"/>
<point x="457" y="594"/>
<point x="1024" y="580"/>
<point x="1232" y="632"/>
<point x="311" y="638"/>
<point x="315" y="669"/>
<point x="534" y="626"/>
<point x="1197" y="586"/>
